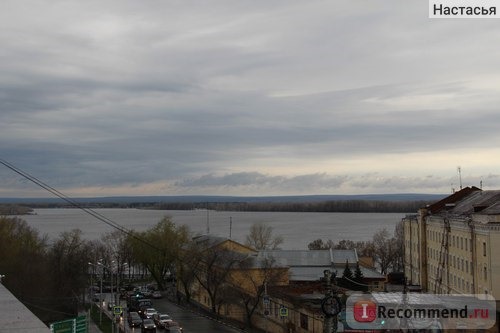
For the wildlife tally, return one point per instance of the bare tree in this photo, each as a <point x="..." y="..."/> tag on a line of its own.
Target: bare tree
<point x="261" y="237"/>
<point x="212" y="272"/>
<point x="261" y="273"/>
<point x="319" y="244"/>
<point x="385" y="249"/>
<point x="68" y="261"/>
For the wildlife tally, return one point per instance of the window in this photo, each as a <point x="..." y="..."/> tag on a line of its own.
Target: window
<point x="304" y="321"/>
<point x="484" y="249"/>
<point x="485" y="273"/>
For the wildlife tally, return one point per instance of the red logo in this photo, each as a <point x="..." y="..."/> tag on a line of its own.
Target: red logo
<point x="365" y="311"/>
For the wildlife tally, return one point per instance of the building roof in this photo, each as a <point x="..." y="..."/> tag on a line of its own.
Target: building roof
<point x="209" y="241"/>
<point x="452" y="199"/>
<point x="309" y="265"/>
<point x="470" y="202"/>
<point x="310" y="258"/>
<point x="16" y="317"/>
<point x="308" y="273"/>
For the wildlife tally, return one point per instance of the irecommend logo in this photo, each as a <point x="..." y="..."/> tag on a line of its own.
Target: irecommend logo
<point x="365" y="311"/>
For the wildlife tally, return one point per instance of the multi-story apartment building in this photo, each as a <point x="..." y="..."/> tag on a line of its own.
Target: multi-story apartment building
<point x="453" y="245"/>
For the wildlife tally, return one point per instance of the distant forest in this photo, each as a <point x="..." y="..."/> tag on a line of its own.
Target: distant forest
<point x="327" y="206"/>
<point x="350" y="206"/>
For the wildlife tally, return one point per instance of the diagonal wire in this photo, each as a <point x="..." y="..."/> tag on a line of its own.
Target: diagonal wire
<point x="75" y="204"/>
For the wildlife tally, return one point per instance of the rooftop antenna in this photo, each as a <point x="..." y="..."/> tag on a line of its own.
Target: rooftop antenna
<point x="481" y="184"/>
<point x="459" y="169"/>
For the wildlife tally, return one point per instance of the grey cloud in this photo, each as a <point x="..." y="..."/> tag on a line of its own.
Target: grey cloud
<point x="109" y="93"/>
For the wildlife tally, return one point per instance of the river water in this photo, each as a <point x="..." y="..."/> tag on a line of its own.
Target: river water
<point x="297" y="229"/>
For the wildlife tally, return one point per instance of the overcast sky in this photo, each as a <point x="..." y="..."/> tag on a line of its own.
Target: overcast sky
<point x="183" y="97"/>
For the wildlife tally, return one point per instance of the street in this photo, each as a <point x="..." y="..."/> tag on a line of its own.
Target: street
<point x="189" y="321"/>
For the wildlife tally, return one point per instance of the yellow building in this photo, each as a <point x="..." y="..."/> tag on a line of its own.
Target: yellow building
<point x="227" y="274"/>
<point x="453" y="246"/>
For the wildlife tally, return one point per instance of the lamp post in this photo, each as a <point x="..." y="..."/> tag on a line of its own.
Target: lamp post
<point x="117" y="300"/>
<point x="100" y="293"/>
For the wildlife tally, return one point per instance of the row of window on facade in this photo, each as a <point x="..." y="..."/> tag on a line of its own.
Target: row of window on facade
<point x="434" y="271"/>
<point x="459" y="242"/>
<point x="455" y="262"/>
<point x="458" y="284"/>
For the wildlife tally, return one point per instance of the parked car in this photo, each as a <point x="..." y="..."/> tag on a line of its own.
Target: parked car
<point x="161" y="319"/>
<point x="149" y="312"/>
<point x="134" y="320"/>
<point x="148" y="325"/>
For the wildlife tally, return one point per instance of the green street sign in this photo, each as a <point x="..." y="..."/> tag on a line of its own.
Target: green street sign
<point x="65" y="326"/>
<point x="75" y="325"/>
<point x="81" y="324"/>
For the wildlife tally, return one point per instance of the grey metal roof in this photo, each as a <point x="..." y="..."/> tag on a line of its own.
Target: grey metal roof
<point x="308" y="273"/>
<point x="311" y="257"/>
<point x="309" y="265"/>
<point x="15" y="317"/>
<point x="488" y="203"/>
<point x="209" y="240"/>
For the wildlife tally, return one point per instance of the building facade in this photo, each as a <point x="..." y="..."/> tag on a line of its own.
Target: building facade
<point x="451" y="246"/>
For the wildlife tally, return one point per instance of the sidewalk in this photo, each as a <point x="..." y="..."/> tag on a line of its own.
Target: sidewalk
<point x="93" y="327"/>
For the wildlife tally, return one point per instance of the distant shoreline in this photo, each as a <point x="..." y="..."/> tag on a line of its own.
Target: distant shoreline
<point x="385" y="203"/>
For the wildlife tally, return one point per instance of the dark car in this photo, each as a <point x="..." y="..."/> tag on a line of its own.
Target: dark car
<point x="134" y="320"/>
<point x="148" y="325"/>
<point x="156" y="294"/>
<point x="160" y="319"/>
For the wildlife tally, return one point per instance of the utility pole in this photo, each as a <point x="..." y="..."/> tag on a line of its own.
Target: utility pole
<point x="331" y="304"/>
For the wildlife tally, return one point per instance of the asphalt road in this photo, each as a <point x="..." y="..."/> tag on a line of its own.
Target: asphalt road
<point x="190" y="322"/>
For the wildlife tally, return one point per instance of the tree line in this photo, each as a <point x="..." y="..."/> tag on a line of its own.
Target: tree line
<point x="348" y="206"/>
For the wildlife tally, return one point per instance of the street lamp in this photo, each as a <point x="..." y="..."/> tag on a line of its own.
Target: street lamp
<point x="99" y="263"/>
<point x="117" y="300"/>
<point x="100" y="294"/>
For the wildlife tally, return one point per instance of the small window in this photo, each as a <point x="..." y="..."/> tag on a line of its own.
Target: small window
<point x="485" y="273"/>
<point x="484" y="249"/>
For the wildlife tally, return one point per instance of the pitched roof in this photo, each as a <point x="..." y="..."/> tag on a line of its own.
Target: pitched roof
<point x="309" y="258"/>
<point x="309" y="265"/>
<point x="470" y="202"/>
<point x="209" y="241"/>
<point x="452" y="199"/>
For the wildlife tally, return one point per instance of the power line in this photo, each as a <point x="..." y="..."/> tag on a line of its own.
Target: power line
<point x="75" y="204"/>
